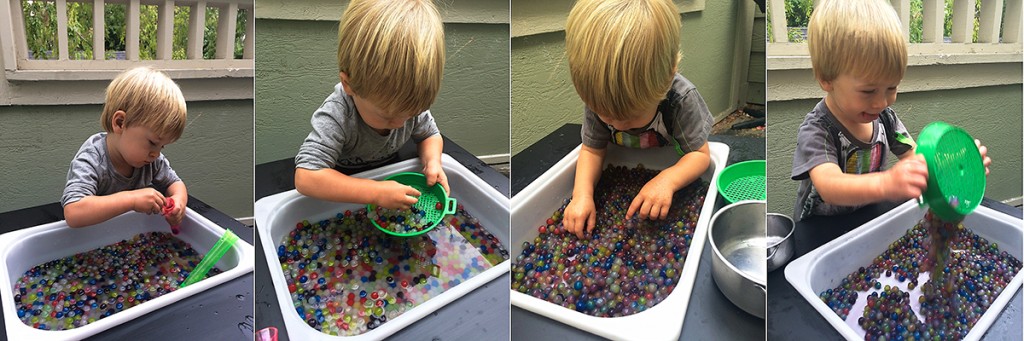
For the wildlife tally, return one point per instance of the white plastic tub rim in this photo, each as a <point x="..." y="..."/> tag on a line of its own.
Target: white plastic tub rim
<point x="826" y="266"/>
<point x="277" y="214"/>
<point x="533" y="205"/>
<point x="26" y="248"/>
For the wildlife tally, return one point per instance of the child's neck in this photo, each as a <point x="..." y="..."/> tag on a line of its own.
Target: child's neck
<point x="861" y="131"/>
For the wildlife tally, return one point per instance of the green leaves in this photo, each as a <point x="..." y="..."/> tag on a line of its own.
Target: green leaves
<point x="41" y="30"/>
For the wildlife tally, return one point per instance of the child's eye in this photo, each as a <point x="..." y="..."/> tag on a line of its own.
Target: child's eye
<point x="868" y="91"/>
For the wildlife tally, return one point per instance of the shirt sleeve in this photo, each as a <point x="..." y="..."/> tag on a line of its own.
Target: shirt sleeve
<point x="900" y="142"/>
<point x="424" y="127"/>
<point x="164" y="176"/>
<point x="693" y="121"/>
<point x="595" y="133"/>
<point x="83" y="179"/>
<point x="814" y="146"/>
<point x="324" y="145"/>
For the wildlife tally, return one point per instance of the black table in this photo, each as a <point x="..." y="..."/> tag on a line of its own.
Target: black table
<point x="481" y="314"/>
<point x="224" y="312"/>
<point x="791" y="317"/>
<point x="709" y="315"/>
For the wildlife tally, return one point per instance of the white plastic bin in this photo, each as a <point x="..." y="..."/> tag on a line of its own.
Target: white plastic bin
<point x="827" y="265"/>
<point x="23" y="249"/>
<point x="276" y="216"/>
<point x="535" y="203"/>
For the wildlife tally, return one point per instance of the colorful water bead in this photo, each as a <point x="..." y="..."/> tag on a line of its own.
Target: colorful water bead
<point x="940" y="234"/>
<point x="77" y="290"/>
<point x="624" y="266"/>
<point x="346" y="278"/>
<point x="401" y="221"/>
<point x="972" y="277"/>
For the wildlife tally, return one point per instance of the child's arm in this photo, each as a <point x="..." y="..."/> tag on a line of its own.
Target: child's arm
<point x="655" y="197"/>
<point x="581" y="215"/>
<point x="906" y="180"/>
<point x="430" y="156"/>
<point x="94" y="209"/>
<point x="332" y="185"/>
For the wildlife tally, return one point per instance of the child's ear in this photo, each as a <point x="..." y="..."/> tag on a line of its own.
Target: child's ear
<point x="825" y="85"/>
<point x="344" y="82"/>
<point x="117" y="121"/>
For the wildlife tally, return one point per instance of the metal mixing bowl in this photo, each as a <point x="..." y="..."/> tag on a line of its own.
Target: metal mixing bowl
<point x="737" y="236"/>
<point x="780" y="240"/>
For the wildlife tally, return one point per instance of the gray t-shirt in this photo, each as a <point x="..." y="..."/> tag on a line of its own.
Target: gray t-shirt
<point x="683" y="121"/>
<point x="822" y="139"/>
<point x="92" y="173"/>
<point x="341" y="138"/>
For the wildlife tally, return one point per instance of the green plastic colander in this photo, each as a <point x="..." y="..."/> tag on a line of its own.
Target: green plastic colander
<point x="429" y="197"/>
<point x="956" y="173"/>
<point x="743" y="181"/>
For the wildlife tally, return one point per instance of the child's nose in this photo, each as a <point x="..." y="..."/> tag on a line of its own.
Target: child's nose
<point x="879" y="102"/>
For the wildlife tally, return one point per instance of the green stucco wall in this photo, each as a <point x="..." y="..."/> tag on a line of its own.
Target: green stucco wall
<point x="213" y="156"/>
<point x="991" y="114"/>
<point x="543" y="97"/>
<point x="296" y="69"/>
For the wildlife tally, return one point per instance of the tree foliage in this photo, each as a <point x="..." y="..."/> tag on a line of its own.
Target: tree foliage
<point x="798" y="13"/>
<point x="41" y="30"/>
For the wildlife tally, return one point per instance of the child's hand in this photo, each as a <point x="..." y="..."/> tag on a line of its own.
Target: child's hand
<point x="393" y="195"/>
<point x="580" y="215"/>
<point x="984" y="155"/>
<point x="653" y="202"/>
<point x="176" y="210"/>
<point x="435" y="174"/>
<point x="907" y="179"/>
<point x="146" y="200"/>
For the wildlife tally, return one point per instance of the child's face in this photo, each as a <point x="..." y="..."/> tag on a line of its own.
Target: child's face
<point x="859" y="100"/>
<point x="139" y="146"/>
<point x="638" y="120"/>
<point x="378" y="118"/>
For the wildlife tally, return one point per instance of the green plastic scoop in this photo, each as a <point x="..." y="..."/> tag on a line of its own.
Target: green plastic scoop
<point x="433" y="203"/>
<point x="956" y="173"/>
<point x="219" y="249"/>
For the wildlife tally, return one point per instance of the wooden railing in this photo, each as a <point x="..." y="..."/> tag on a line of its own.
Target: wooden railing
<point x="933" y="17"/>
<point x="16" y="52"/>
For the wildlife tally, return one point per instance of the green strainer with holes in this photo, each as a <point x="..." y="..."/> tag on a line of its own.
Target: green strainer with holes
<point x="956" y="173"/>
<point x="427" y="207"/>
<point x="743" y="181"/>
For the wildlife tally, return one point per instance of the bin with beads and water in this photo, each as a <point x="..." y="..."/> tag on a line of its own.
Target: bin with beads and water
<point x="986" y="266"/>
<point x="81" y="281"/>
<point x="338" y="277"/>
<point x="654" y="309"/>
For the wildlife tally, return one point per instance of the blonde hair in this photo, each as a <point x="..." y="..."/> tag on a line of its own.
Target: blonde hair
<point x="148" y="98"/>
<point x="393" y="53"/>
<point x="622" y="53"/>
<point x="862" y="38"/>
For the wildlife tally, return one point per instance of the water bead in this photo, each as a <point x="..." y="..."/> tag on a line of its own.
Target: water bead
<point x="100" y="275"/>
<point x="623" y="266"/>
<point x="370" y="278"/>
<point x="961" y="286"/>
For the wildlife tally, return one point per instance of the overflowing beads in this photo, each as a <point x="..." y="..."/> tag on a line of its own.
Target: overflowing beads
<point x="624" y="265"/>
<point x="77" y="290"/>
<point x="346" y="277"/>
<point x="951" y="275"/>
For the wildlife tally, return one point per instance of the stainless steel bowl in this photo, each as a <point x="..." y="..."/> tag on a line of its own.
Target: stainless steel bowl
<point x="737" y="236"/>
<point x="780" y="240"/>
